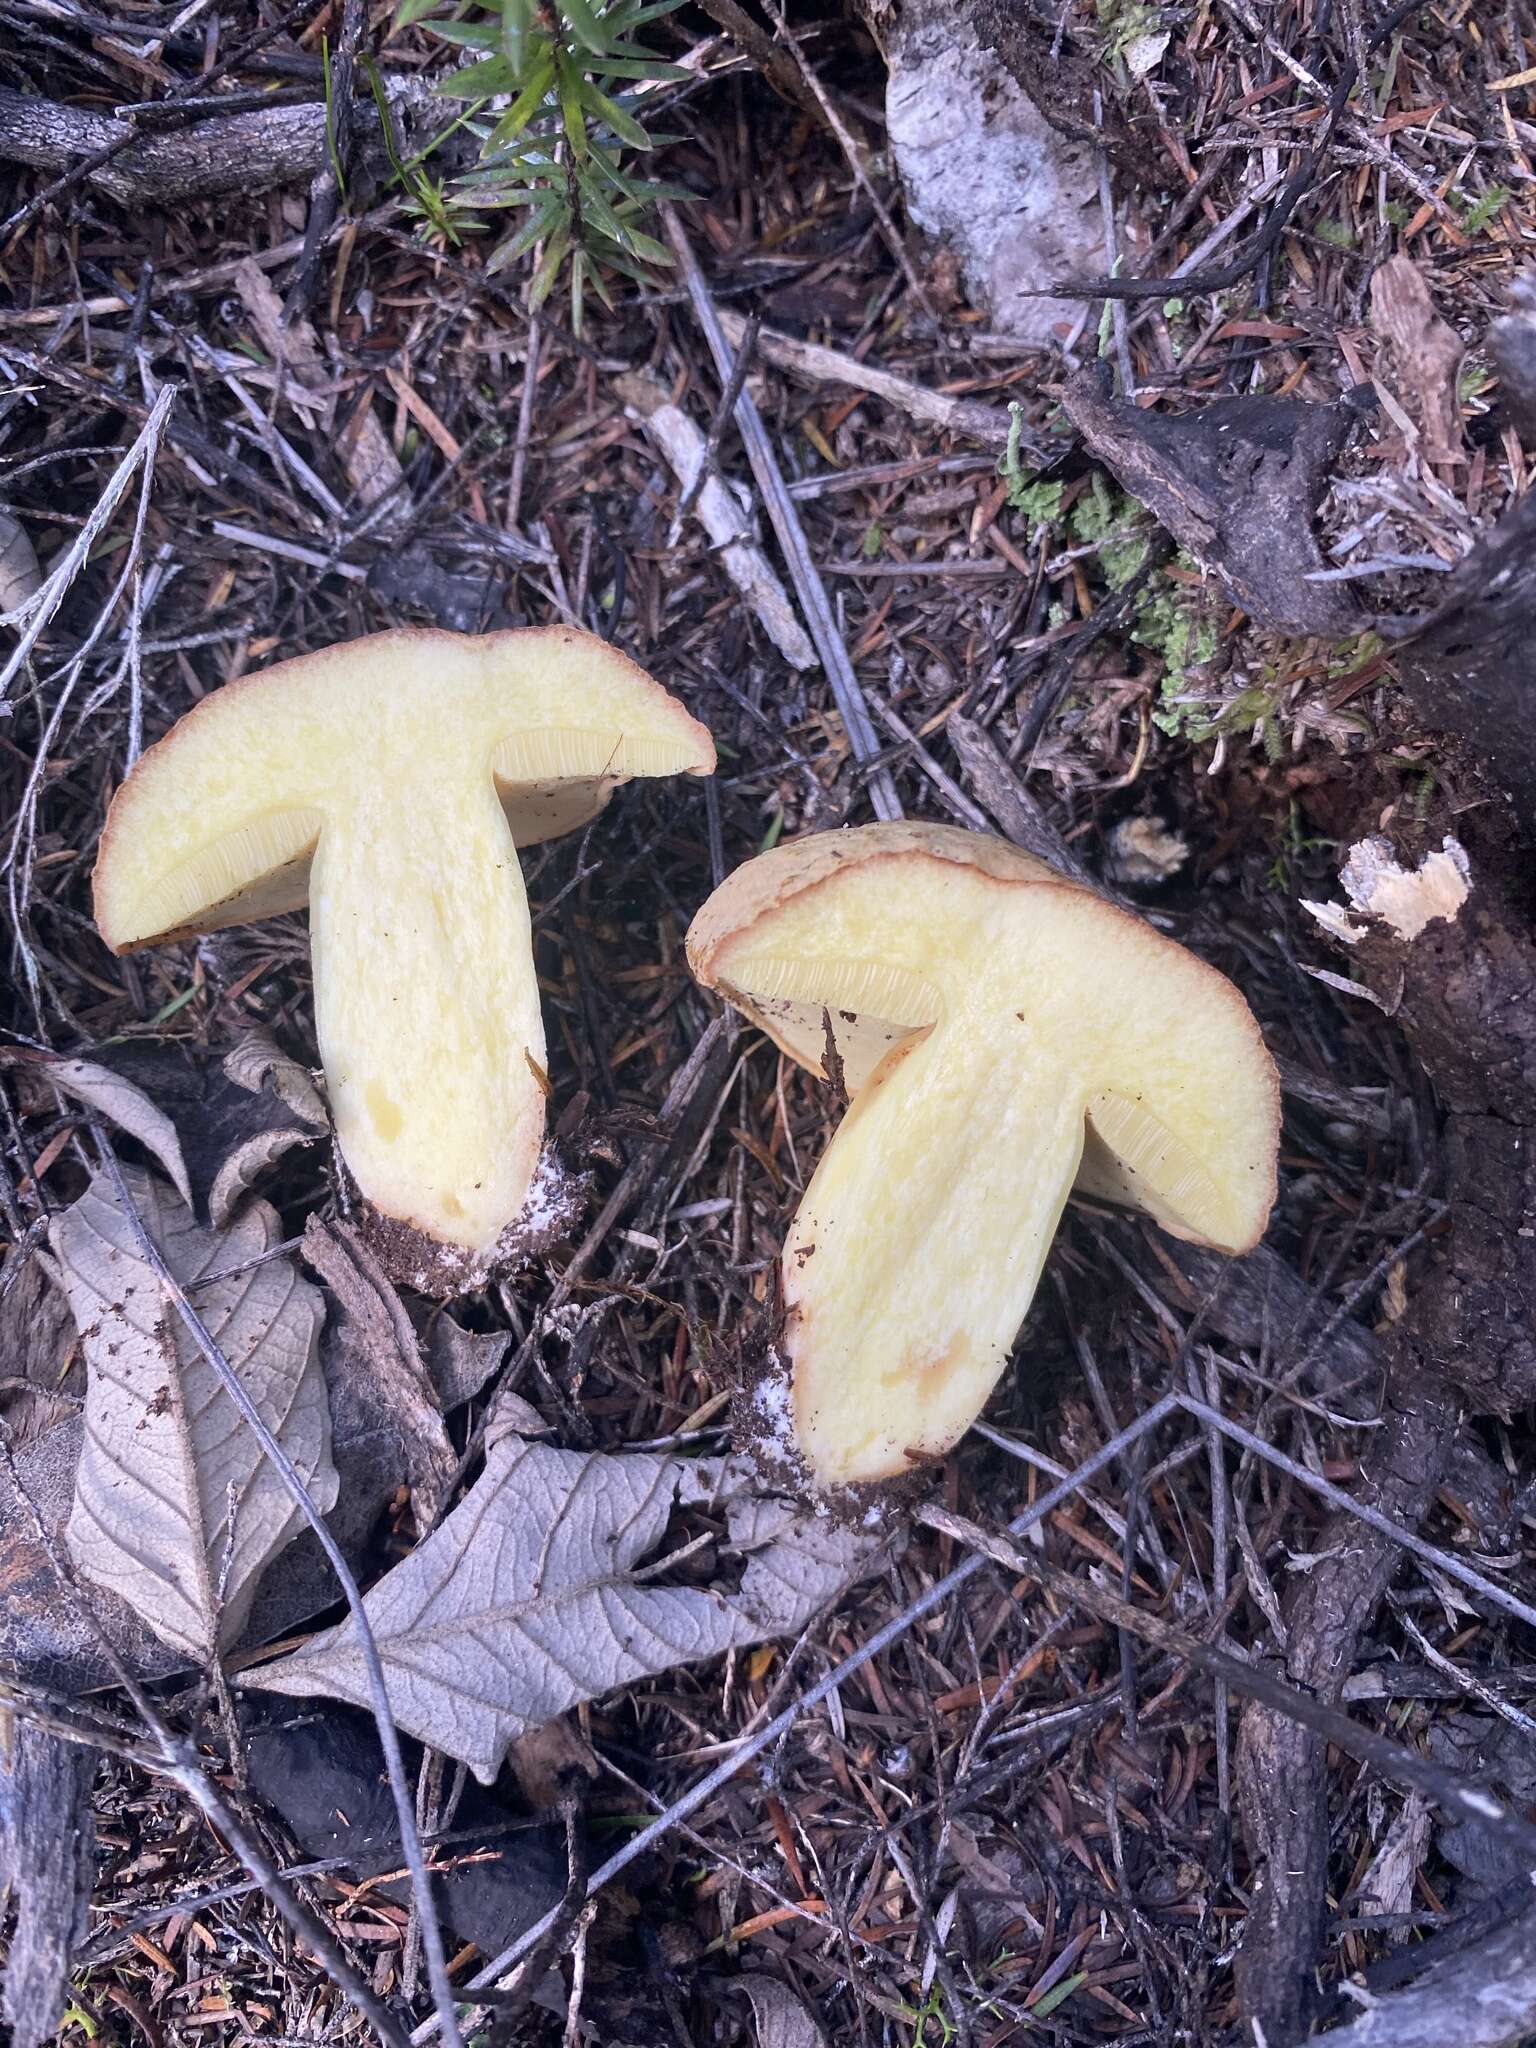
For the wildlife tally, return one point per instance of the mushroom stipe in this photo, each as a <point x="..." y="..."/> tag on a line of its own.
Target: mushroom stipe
<point x="388" y="783"/>
<point x="1003" y="1034"/>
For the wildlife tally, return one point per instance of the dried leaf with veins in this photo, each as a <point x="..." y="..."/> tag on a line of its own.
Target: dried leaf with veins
<point x="176" y="1507"/>
<point x="541" y="1590"/>
<point x="781" y="2016"/>
<point x="120" y="1101"/>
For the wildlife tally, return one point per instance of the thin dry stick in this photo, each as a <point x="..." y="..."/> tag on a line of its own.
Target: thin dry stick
<point x="525" y="404"/>
<point x="746" y="349"/>
<point x="410" y="1841"/>
<point x="771" y="1732"/>
<point x="846" y="690"/>
<point x="813" y="364"/>
<point x="1405" y="1539"/>
<point x="39" y="610"/>
<point x="1468" y="1797"/>
<point x="1117" y="319"/>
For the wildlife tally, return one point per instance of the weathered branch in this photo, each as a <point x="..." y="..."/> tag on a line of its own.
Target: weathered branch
<point x="1236" y="483"/>
<point x="1483" y="1998"/>
<point x="1281" y="1766"/>
<point x="1470" y="664"/>
<point x="248" y="152"/>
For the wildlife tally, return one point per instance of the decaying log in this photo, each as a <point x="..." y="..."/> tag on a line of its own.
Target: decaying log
<point x="248" y="152"/>
<point x="1483" y="1998"/>
<point x="1469" y="665"/>
<point x="1237" y="484"/>
<point x="47" y="1858"/>
<point x="1281" y="1768"/>
<point x="1464" y="993"/>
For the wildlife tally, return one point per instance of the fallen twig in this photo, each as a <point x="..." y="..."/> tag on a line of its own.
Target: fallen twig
<point x="721" y="513"/>
<point x="849" y="696"/>
<point x="813" y="364"/>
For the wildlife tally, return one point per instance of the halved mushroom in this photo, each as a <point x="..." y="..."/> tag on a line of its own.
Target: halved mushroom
<point x="388" y="783"/>
<point x="1002" y="1032"/>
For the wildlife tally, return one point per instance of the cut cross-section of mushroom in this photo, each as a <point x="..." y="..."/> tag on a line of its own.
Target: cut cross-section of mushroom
<point x="388" y="783"/>
<point x="1001" y="1032"/>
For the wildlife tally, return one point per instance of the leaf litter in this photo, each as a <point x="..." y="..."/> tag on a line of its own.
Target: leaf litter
<point x="536" y="1594"/>
<point x="1132" y="1900"/>
<point x="177" y="1509"/>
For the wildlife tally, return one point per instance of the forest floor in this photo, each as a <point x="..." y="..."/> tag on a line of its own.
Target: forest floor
<point x="1016" y="1821"/>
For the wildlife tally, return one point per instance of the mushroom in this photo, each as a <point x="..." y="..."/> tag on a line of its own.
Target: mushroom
<point x="387" y="783"/>
<point x="1001" y="1033"/>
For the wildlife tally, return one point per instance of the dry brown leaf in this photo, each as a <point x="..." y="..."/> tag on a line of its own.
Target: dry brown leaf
<point x="120" y="1101"/>
<point x="176" y="1507"/>
<point x="1424" y="357"/>
<point x="20" y="576"/>
<point x="540" y="1590"/>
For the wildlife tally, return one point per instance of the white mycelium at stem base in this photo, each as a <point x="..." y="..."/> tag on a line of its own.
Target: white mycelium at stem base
<point x="1003" y="1033"/>
<point x="388" y="783"/>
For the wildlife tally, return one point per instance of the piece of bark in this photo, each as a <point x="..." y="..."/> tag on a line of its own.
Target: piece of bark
<point x="1469" y="664"/>
<point x="225" y="153"/>
<point x="47" y="1859"/>
<point x="1483" y="1998"/>
<point x="1259" y="1304"/>
<point x="1237" y="484"/>
<point x="723" y="513"/>
<point x="1281" y="1767"/>
<point x="1423" y="355"/>
<point x="987" y="171"/>
<point x="812" y="364"/>
<point x="1512" y="345"/>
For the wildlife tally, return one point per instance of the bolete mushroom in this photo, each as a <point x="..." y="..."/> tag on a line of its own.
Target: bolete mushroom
<point x="1001" y="1032"/>
<point x="388" y="783"/>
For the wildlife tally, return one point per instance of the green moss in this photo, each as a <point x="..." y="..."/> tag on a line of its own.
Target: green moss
<point x="1477" y="214"/>
<point x="1035" y="500"/>
<point x="1030" y="495"/>
<point x="1122" y="21"/>
<point x="1106" y="516"/>
<point x="1180" y="625"/>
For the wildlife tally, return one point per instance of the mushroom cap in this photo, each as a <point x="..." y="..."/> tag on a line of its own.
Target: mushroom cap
<point x="884" y="932"/>
<point x="737" y="922"/>
<point x="217" y="824"/>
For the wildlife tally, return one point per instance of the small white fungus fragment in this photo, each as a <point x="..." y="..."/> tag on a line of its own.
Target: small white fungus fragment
<point x="1405" y="899"/>
<point x="1145" y="850"/>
